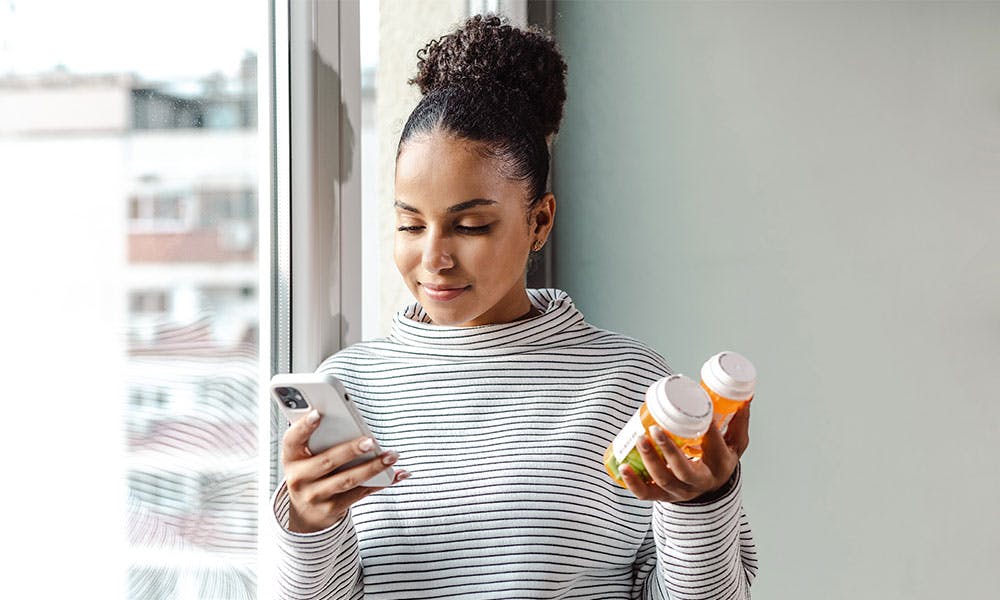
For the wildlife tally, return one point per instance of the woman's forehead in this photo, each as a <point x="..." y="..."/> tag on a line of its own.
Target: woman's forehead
<point x="443" y="169"/>
<point x="439" y="153"/>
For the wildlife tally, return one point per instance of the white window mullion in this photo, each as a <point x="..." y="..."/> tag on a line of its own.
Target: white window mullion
<point x="311" y="256"/>
<point x="274" y="264"/>
<point x="325" y="108"/>
<point x="350" y="218"/>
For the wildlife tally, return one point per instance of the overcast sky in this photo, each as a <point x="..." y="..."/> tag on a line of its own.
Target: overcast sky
<point x="159" y="39"/>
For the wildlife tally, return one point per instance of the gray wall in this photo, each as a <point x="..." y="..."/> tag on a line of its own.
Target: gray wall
<point x="816" y="185"/>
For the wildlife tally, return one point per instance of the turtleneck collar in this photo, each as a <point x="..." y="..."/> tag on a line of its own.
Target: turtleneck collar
<point x="558" y="321"/>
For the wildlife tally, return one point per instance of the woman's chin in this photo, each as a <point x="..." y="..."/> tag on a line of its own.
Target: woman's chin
<point x="447" y="318"/>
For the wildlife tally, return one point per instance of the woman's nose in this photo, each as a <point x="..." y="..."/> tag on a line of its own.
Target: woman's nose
<point x="437" y="255"/>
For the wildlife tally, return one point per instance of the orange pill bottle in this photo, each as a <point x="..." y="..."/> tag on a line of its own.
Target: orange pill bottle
<point x="730" y="379"/>
<point x="676" y="404"/>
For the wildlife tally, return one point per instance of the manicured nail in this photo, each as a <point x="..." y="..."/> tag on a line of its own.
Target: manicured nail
<point x="389" y="458"/>
<point x="401" y="475"/>
<point x="366" y="444"/>
<point x="643" y="444"/>
<point x="313" y="417"/>
<point x="658" y="434"/>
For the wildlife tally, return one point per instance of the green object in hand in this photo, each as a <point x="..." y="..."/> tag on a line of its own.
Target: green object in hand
<point x="634" y="460"/>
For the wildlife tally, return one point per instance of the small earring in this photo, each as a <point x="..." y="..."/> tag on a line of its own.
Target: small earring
<point x="537" y="246"/>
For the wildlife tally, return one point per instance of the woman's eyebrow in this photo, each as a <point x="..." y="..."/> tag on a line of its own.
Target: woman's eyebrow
<point x="452" y="209"/>
<point x="470" y="204"/>
<point x="405" y="206"/>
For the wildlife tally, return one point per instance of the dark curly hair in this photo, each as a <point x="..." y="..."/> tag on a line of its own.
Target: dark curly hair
<point x="497" y="84"/>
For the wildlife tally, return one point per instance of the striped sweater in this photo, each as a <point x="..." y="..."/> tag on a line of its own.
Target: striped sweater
<point x="503" y="428"/>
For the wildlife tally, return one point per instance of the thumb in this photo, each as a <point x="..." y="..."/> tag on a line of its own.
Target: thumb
<point x="294" y="442"/>
<point x="738" y="432"/>
<point x="716" y="454"/>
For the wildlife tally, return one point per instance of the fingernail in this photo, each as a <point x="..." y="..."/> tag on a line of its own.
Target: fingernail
<point x="401" y="475"/>
<point x="366" y="444"/>
<point x="313" y="417"/>
<point x="389" y="458"/>
<point x="643" y="443"/>
<point x="658" y="434"/>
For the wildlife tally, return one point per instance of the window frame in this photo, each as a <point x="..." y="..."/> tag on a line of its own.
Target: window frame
<point x="309" y="92"/>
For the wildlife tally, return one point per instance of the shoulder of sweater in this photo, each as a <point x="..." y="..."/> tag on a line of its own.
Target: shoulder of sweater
<point x="621" y="343"/>
<point x="344" y="356"/>
<point x="592" y="338"/>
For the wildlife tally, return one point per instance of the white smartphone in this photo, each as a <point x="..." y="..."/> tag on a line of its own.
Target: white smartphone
<point x="299" y="393"/>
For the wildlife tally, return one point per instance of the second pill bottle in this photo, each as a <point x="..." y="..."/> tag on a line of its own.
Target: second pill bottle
<point x="730" y="379"/>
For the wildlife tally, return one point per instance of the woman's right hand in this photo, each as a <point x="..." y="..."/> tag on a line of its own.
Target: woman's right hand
<point x="318" y="499"/>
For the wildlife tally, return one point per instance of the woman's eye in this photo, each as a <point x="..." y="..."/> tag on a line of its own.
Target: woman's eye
<point x="410" y="228"/>
<point x="472" y="230"/>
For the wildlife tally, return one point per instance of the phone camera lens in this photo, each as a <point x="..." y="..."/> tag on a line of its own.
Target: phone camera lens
<point x="291" y="397"/>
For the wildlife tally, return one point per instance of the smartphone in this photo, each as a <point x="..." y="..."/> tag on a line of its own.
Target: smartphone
<point x="299" y="393"/>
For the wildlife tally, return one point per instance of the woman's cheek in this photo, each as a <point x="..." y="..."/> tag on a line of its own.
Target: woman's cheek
<point x="402" y="255"/>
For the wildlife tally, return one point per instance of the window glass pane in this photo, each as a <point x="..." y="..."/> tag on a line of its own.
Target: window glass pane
<point x="143" y="117"/>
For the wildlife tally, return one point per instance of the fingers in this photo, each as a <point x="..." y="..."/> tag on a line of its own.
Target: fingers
<point x="317" y="498"/>
<point x="658" y="469"/>
<point x="738" y="432"/>
<point x="340" y="503"/>
<point x="293" y="443"/>
<point x="318" y="514"/>
<point x="334" y="457"/>
<point x="675" y="477"/>
<point x="348" y="480"/>
<point x="636" y="485"/>
<point x="683" y="468"/>
<point x="301" y="474"/>
<point x="347" y="499"/>
<point x="717" y="455"/>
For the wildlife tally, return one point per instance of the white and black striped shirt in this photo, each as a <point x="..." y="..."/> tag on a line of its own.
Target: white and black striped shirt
<point x="503" y="428"/>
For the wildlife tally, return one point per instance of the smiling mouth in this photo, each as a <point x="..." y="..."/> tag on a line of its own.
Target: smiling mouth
<point x="443" y="294"/>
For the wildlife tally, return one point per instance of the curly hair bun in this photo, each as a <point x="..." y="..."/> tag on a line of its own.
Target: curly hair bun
<point x="488" y="57"/>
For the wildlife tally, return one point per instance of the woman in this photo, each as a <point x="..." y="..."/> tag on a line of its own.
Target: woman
<point x="500" y="400"/>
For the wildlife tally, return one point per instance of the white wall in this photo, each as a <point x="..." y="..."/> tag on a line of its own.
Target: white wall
<point x="815" y="185"/>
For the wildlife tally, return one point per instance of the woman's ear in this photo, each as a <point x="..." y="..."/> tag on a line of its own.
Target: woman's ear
<point x="543" y="217"/>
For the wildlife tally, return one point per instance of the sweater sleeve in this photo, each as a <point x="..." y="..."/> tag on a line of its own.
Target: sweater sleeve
<point x="324" y="565"/>
<point x="698" y="551"/>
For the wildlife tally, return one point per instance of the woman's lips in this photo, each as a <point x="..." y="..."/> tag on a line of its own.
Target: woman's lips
<point x="442" y="294"/>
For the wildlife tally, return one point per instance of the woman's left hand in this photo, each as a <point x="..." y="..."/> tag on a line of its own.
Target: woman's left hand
<point x="677" y="478"/>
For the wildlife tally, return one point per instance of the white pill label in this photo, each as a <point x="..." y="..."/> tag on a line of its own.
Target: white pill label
<point x="629" y="435"/>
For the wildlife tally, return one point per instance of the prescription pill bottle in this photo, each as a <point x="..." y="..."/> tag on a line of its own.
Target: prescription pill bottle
<point x="678" y="406"/>
<point x="729" y="378"/>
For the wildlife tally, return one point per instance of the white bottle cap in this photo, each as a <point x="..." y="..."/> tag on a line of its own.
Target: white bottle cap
<point x="730" y="375"/>
<point x="680" y="405"/>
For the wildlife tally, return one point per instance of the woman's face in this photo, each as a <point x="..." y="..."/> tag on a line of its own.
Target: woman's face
<point x="462" y="232"/>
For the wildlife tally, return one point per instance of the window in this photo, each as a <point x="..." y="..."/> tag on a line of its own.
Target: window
<point x="144" y="302"/>
<point x="149" y="170"/>
<point x="132" y="144"/>
<point x="161" y="210"/>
